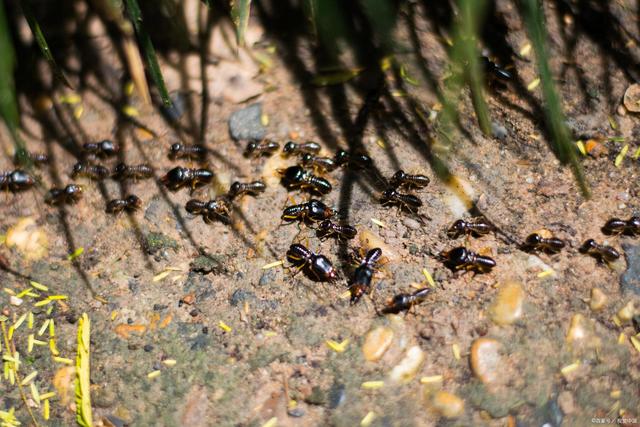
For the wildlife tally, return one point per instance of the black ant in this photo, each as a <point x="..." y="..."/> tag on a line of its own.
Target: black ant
<point x="130" y="203"/>
<point x="297" y="177"/>
<point x="621" y="226"/>
<point x="327" y="228"/>
<point x="178" y="177"/>
<point x="313" y="210"/>
<point x="363" y="275"/>
<point x="477" y="227"/>
<point x="185" y="151"/>
<point x="257" y="149"/>
<point x="402" y="302"/>
<point x="401" y="178"/>
<point x="317" y="266"/>
<point x="308" y="147"/>
<point x="318" y="162"/>
<point x="68" y="195"/>
<point x="216" y="209"/>
<point x="602" y="253"/>
<point x="357" y="160"/>
<point x="16" y="181"/>
<point x="103" y="148"/>
<point x="535" y="242"/>
<point x="495" y="74"/>
<point x="88" y="170"/>
<point x="408" y="202"/>
<point x="461" y="258"/>
<point x="254" y="188"/>
<point x="123" y="171"/>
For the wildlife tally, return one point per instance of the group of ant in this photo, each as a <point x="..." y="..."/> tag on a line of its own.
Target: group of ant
<point x="305" y="176"/>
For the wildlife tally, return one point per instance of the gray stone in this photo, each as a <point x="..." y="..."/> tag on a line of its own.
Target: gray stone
<point x="240" y="296"/>
<point x="499" y="131"/>
<point x="246" y="124"/>
<point x="630" y="280"/>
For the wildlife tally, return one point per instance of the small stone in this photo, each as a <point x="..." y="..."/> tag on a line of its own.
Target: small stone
<point x="408" y="367"/>
<point x="157" y="242"/>
<point x="113" y="421"/>
<point x="246" y="124"/>
<point x="625" y="314"/>
<point x="376" y="343"/>
<point x="486" y="362"/>
<point x="631" y="98"/>
<point x="507" y="307"/>
<point x="317" y="396"/>
<point x="598" y="299"/>
<point x="448" y="404"/>
<point x="208" y="264"/>
<point x="177" y="107"/>
<point x="188" y="299"/>
<point x="14" y="300"/>
<point x="148" y="348"/>
<point x="499" y="131"/>
<point x="337" y="395"/>
<point x="630" y="280"/>
<point x="296" y="412"/>
<point x="577" y="329"/>
<point x="267" y="277"/>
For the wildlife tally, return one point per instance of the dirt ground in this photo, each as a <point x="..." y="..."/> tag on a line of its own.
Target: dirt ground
<point x="253" y="344"/>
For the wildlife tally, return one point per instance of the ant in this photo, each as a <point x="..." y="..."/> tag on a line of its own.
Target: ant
<point x="254" y="188"/>
<point x="178" y="177"/>
<point x="297" y="177"/>
<point x="461" y="258"/>
<point x="104" y="148"/>
<point x="495" y="74"/>
<point x="402" y="302"/>
<point x="327" y="228"/>
<point x="95" y="172"/>
<point x="130" y="203"/>
<point x="185" y="151"/>
<point x="621" y="226"/>
<point x="257" y="149"/>
<point x="313" y="210"/>
<point x="358" y="161"/>
<point x="478" y="227"/>
<point x="318" y="162"/>
<point x="16" y="181"/>
<point x="317" y="266"/>
<point x="401" y="178"/>
<point x="308" y="147"/>
<point x="602" y="253"/>
<point x="408" y="202"/>
<point x="535" y="242"/>
<point x="217" y="208"/>
<point x="68" y="195"/>
<point x="123" y="171"/>
<point x="363" y="275"/>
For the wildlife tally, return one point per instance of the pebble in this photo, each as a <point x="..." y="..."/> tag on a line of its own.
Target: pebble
<point x="625" y="314"/>
<point x="448" y="404"/>
<point x="14" y="300"/>
<point x="630" y="280"/>
<point x="376" y="343"/>
<point x="499" y="131"/>
<point x="577" y="329"/>
<point x="408" y="367"/>
<point x="246" y="124"/>
<point x="177" y="108"/>
<point x="267" y="277"/>
<point x="486" y="361"/>
<point x="337" y="395"/>
<point x="507" y="307"/>
<point x="598" y="299"/>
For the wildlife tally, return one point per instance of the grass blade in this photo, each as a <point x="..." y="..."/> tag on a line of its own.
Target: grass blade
<point x="8" y="104"/>
<point x="83" y="392"/>
<point x="561" y="141"/>
<point x="133" y="9"/>
<point x="42" y="42"/>
<point x="240" y="11"/>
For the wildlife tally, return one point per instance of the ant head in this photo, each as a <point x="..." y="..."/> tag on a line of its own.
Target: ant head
<point x="533" y="239"/>
<point x="289" y="147"/>
<point x="588" y="244"/>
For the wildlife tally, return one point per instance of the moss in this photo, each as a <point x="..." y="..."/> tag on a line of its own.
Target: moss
<point x="155" y="242"/>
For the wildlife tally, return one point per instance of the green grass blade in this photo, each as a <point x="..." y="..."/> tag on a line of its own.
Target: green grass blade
<point x="472" y="13"/>
<point x="42" y="42"/>
<point x="240" y="11"/>
<point x="311" y="12"/>
<point x="133" y="9"/>
<point x="8" y="104"/>
<point x="561" y="141"/>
